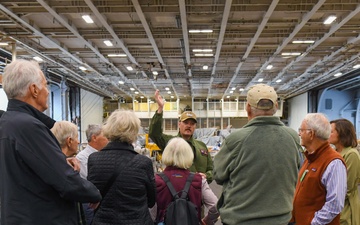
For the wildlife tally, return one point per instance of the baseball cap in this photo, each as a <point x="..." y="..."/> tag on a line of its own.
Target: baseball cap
<point x="259" y="92"/>
<point x="188" y="115"/>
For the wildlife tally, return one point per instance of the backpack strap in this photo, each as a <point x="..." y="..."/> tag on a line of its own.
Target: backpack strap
<point x="187" y="185"/>
<point x="171" y="187"/>
<point x="168" y="184"/>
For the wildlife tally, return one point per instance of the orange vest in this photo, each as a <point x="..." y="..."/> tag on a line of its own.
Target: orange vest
<point x="310" y="194"/>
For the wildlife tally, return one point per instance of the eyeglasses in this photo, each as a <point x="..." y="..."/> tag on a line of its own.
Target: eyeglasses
<point x="302" y="130"/>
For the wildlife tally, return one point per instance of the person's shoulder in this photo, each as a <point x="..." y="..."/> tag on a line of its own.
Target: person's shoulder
<point x="1" y="112"/>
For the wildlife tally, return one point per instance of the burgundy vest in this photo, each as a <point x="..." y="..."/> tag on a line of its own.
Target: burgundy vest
<point x="178" y="179"/>
<point x="310" y="194"/>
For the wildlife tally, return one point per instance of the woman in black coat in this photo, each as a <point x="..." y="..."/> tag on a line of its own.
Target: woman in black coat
<point x="133" y="189"/>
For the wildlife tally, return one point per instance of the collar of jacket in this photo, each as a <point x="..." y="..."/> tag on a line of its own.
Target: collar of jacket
<point x="267" y="120"/>
<point x="20" y="106"/>
<point x="318" y="152"/>
<point x="118" y="145"/>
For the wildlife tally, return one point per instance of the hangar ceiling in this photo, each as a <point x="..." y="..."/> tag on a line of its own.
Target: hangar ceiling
<point x="200" y="49"/>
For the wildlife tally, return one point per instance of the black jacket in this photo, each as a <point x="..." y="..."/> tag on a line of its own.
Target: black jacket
<point x="37" y="186"/>
<point x="133" y="191"/>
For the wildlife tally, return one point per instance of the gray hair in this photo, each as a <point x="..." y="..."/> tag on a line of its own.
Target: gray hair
<point x="264" y="112"/>
<point x="178" y="153"/>
<point x="319" y="123"/>
<point x="64" y="129"/>
<point x="93" y="129"/>
<point x="19" y="75"/>
<point x="122" y="125"/>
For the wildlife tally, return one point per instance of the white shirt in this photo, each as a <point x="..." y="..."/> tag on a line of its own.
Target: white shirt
<point x="83" y="158"/>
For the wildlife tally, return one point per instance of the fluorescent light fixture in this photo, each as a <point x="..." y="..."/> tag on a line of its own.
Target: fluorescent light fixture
<point x="290" y="53"/>
<point x="241" y="89"/>
<point x="129" y="68"/>
<point x="4" y="44"/>
<point x="196" y="31"/>
<point x="202" y="50"/>
<point x="136" y="92"/>
<point x="200" y="54"/>
<point x="278" y="81"/>
<point x="121" y="82"/>
<point x="337" y="74"/>
<point x="82" y="68"/>
<point x="228" y="96"/>
<point x="155" y="73"/>
<point x="205" y="67"/>
<point x="116" y="55"/>
<point x="329" y="20"/>
<point x="108" y="43"/>
<point x="261" y="79"/>
<point x="303" y="42"/>
<point x="87" y="19"/>
<point x="37" y="58"/>
<point x="269" y="67"/>
<point x="231" y="92"/>
<point x="167" y="88"/>
<point x="171" y="96"/>
<point x="357" y="66"/>
<point x="141" y="96"/>
<point x="132" y="89"/>
<point x="169" y="92"/>
<point x="233" y="88"/>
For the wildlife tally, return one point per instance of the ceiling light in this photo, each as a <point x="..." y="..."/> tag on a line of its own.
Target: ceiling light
<point x="231" y="92"/>
<point x="167" y="88"/>
<point x="303" y="42"/>
<point x="200" y="54"/>
<point x="4" y="44"/>
<point x="116" y="55"/>
<point x="200" y="31"/>
<point x="37" y="58"/>
<point x="132" y="89"/>
<point x="269" y="67"/>
<point x="241" y="89"/>
<point x="202" y="50"/>
<point x="261" y="79"/>
<point x="141" y="96"/>
<point x="290" y="53"/>
<point x="278" y="81"/>
<point x="136" y="92"/>
<point x="233" y="88"/>
<point x="82" y="68"/>
<point x="171" y="96"/>
<point x="108" y="43"/>
<point x="356" y="66"/>
<point x="129" y="68"/>
<point x="121" y="82"/>
<point x="87" y="19"/>
<point x="155" y="73"/>
<point x="205" y="67"/>
<point x="337" y="74"/>
<point x="169" y="92"/>
<point x="329" y="20"/>
<point x="228" y="96"/>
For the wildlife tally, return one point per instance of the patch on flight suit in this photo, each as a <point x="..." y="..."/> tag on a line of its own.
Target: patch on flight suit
<point x="204" y="151"/>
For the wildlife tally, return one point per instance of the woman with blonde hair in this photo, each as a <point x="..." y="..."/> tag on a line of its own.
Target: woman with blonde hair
<point x="124" y="177"/>
<point x="178" y="157"/>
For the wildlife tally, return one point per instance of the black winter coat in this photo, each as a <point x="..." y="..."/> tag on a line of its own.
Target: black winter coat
<point x="37" y="185"/>
<point x="133" y="191"/>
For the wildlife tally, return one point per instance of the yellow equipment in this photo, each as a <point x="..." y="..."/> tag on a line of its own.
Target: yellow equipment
<point x="153" y="148"/>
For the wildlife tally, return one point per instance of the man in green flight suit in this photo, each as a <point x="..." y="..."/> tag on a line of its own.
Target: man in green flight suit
<point x="203" y="163"/>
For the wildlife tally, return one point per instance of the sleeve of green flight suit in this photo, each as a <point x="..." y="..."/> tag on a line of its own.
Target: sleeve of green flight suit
<point x="155" y="131"/>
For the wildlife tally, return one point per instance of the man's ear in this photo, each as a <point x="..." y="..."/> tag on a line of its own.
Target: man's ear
<point x="34" y="90"/>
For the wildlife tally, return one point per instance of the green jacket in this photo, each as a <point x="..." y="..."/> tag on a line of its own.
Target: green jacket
<point x="202" y="159"/>
<point x="258" y="168"/>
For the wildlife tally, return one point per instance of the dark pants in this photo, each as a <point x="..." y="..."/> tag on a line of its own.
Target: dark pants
<point x="89" y="213"/>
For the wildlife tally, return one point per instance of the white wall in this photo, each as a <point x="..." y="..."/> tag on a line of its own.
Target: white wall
<point x="298" y="108"/>
<point x="3" y="100"/>
<point x="91" y="111"/>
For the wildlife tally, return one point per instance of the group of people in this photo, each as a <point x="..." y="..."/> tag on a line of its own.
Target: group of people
<point x="264" y="180"/>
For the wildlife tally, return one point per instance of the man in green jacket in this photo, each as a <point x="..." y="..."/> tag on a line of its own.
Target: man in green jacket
<point x="203" y="163"/>
<point x="258" y="165"/>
